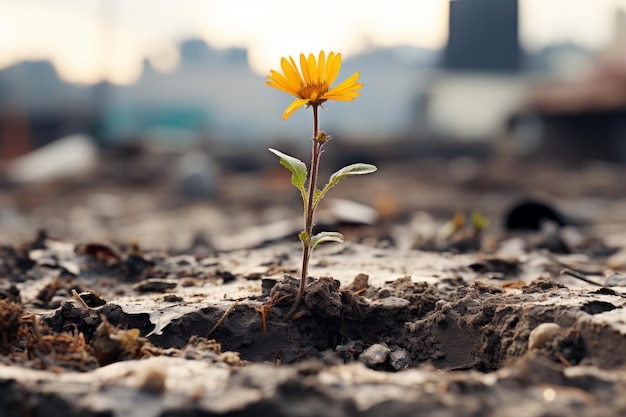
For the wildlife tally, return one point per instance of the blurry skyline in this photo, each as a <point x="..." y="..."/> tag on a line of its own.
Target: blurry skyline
<point x="88" y="40"/>
<point x="212" y="92"/>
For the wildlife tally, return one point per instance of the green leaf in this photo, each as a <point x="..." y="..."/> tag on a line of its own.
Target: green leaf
<point x="354" y="169"/>
<point x="479" y="221"/>
<point x="297" y="167"/>
<point x="326" y="237"/>
<point x="317" y="194"/>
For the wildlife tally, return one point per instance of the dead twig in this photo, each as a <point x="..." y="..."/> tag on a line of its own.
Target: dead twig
<point x="76" y="296"/>
<point x="300" y="356"/>
<point x="221" y="320"/>
<point x="361" y="291"/>
<point x="563" y="360"/>
<point x="266" y="308"/>
<point x="579" y="276"/>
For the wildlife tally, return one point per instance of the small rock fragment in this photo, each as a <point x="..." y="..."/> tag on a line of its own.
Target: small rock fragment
<point x="101" y="251"/>
<point x="155" y="285"/>
<point x="152" y="380"/>
<point x="182" y="260"/>
<point x="542" y="334"/>
<point x="231" y="358"/>
<point x="391" y="303"/>
<point x="226" y="276"/>
<point x="323" y="297"/>
<point x="616" y="280"/>
<point x="173" y="298"/>
<point x="266" y="286"/>
<point x="197" y="175"/>
<point x="350" y="349"/>
<point x="375" y="355"/>
<point x="399" y="359"/>
<point x="359" y="283"/>
<point x="505" y="264"/>
<point x="617" y="260"/>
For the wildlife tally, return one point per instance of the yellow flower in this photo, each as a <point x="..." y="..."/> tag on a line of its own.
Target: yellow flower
<point x="312" y="84"/>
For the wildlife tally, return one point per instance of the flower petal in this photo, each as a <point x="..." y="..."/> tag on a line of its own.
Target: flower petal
<point x="292" y="76"/>
<point x="333" y="69"/>
<point x="295" y="105"/>
<point x="350" y="82"/>
<point x="346" y="90"/>
<point x="313" y="69"/>
<point x="329" y="61"/>
<point x="321" y="68"/>
<point x="279" y="81"/>
<point x="310" y="81"/>
<point x="304" y="67"/>
<point x="295" y="67"/>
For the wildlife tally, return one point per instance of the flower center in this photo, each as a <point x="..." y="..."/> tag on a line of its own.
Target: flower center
<point x="313" y="92"/>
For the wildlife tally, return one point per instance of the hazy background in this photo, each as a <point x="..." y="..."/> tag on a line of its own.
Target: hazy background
<point x="120" y="111"/>
<point x="193" y="71"/>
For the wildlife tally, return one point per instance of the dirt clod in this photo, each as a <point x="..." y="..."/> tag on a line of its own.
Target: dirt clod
<point x="323" y="298"/>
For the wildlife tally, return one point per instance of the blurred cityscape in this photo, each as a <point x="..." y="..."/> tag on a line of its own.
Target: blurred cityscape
<point x="481" y="87"/>
<point x="469" y="126"/>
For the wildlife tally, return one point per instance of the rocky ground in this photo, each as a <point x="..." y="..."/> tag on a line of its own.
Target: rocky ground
<point x="130" y="301"/>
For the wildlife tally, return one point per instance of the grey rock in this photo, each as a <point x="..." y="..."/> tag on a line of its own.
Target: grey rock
<point x="197" y="175"/>
<point x="391" y="303"/>
<point x="543" y="334"/>
<point x="616" y="280"/>
<point x="375" y="354"/>
<point x="399" y="359"/>
<point x="155" y="285"/>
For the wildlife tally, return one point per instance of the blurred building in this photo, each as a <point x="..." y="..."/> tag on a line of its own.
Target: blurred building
<point x="211" y="93"/>
<point x="481" y="82"/>
<point x="36" y="107"/>
<point x="483" y="36"/>
<point x="579" y="118"/>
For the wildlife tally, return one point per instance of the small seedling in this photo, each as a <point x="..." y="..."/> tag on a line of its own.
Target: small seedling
<point x="311" y="85"/>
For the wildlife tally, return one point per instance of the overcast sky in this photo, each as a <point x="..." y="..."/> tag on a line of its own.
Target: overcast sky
<point x="91" y="39"/>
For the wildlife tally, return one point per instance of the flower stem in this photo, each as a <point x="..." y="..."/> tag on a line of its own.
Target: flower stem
<point x="309" y="211"/>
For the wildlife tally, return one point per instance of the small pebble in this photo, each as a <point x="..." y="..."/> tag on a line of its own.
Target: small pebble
<point x="542" y="334"/>
<point x="155" y="285"/>
<point x="384" y="293"/>
<point x="391" y="303"/>
<point x="399" y="359"/>
<point x="173" y="298"/>
<point x="266" y="286"/>
<point x="182" y="260"/>
<point x="616" y="280"/>
<point x="359" y="283"/>
<point x="231" y="358"/>
<point x="374" y="355"/>
<point x="151" y="380"/>
<point x="617" y="260"/>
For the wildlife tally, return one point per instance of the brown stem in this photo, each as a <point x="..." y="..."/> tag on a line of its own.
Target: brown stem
<point x="309" y="212"/>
